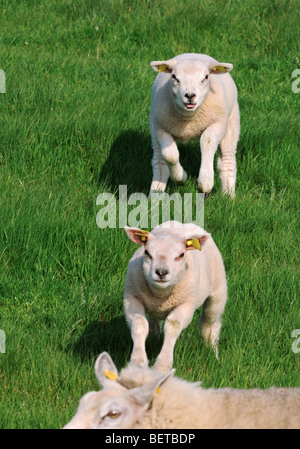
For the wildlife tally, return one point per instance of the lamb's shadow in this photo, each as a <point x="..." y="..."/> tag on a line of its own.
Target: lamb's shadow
<point x="128" y="163"/>
<point x="113" y="337"/>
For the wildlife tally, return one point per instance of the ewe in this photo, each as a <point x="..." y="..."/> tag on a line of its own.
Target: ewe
<point x="194" y="97"/>
<point x="142" y="398"/>
<point x="168" y="278"/>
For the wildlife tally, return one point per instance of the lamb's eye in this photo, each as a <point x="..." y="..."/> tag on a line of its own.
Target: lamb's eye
<point x="205" y="78"/>
<point x="147" y="254"/>
<point x="181" y="256"/>
<point x="174" y="78"/>
<point x="113" y="414"/>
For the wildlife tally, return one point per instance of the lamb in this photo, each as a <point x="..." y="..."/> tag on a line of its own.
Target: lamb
<point x="194" y="97"/>
<point x="168" y="278"/>
<point x="142" y="398"/>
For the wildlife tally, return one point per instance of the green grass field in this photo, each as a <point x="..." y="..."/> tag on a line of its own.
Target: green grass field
<point x="74" y="124"/>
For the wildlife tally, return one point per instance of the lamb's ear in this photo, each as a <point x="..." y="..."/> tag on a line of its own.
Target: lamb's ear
<point x="220" y="68"/>
<point x="143" y="395"/>
<point x="105" y="369"/>
<point x="163" y="66"/>
<point x="137" y="235"/>
<point x="196" y="241"/>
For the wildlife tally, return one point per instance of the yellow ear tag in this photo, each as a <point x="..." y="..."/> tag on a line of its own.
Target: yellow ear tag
<point x="162" y="68"/>
<point x="195" y="243"/>
<point x="110" y="375"/>
<point x="143" y="236"/>
<point x="219" y="68"/>
<point x="157" y="390"/>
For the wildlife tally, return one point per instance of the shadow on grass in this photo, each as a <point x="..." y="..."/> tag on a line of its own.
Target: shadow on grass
<point x="113" y="337"/>
<point x="129" y="162"/>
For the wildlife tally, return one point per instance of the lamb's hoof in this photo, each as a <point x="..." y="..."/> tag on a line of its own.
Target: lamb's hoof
<point x="207" y="193"/>
<point x="180" y="183"/>
<point x="205" y="187"/>
<point x="179" y="176"/>
<point x="230" y="192"/>
<point x="180" y="180"/>
<point x="157" y="187"/>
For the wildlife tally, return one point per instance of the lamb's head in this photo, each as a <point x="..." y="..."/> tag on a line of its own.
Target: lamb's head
<point x="116" y="406"/>
<point x="190" y="79"/>
<point x="164" y="259"/>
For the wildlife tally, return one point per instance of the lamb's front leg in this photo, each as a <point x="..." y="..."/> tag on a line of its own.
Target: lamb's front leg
<point x="170" y="154"/>
<point x="209" y="142"/>
<point x="178" y="320"/>
<point x="160" y="171"/>
<point x="139" y="326"/>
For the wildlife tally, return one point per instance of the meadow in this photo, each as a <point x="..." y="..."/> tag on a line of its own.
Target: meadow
<point x="74" y="122"/>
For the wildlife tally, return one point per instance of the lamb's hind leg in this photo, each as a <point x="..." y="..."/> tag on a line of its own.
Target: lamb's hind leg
<point x="210" y="321"/>
<point x="227" y="161"/>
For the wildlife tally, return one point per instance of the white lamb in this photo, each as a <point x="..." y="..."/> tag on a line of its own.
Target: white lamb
<point x="142" y="398"/>
<point x="177" y="269"/>
<point x="194" y="97"/>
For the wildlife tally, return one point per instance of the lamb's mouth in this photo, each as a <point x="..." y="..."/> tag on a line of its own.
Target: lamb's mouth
<point x="161" y="281"/>
<point x="189" y="105"/>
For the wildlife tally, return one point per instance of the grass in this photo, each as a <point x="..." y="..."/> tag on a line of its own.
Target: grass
<point x="74" y="124"/>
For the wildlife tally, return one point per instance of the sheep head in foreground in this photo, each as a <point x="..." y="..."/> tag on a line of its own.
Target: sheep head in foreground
<point x="194" y="97"/>
<point x="142" y="398"/>
<point x="177" y="269"/>
<point x="119" y="405"/>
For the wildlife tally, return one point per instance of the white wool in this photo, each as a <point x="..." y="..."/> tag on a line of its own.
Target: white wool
<point x="143" y="398"/>
<point x="194" y="98"/>
<point x="168" y="279"/>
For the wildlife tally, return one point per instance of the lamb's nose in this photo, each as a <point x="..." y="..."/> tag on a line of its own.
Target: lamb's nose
<point x="190" y="96"/>
<point x="161" y="272"/>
